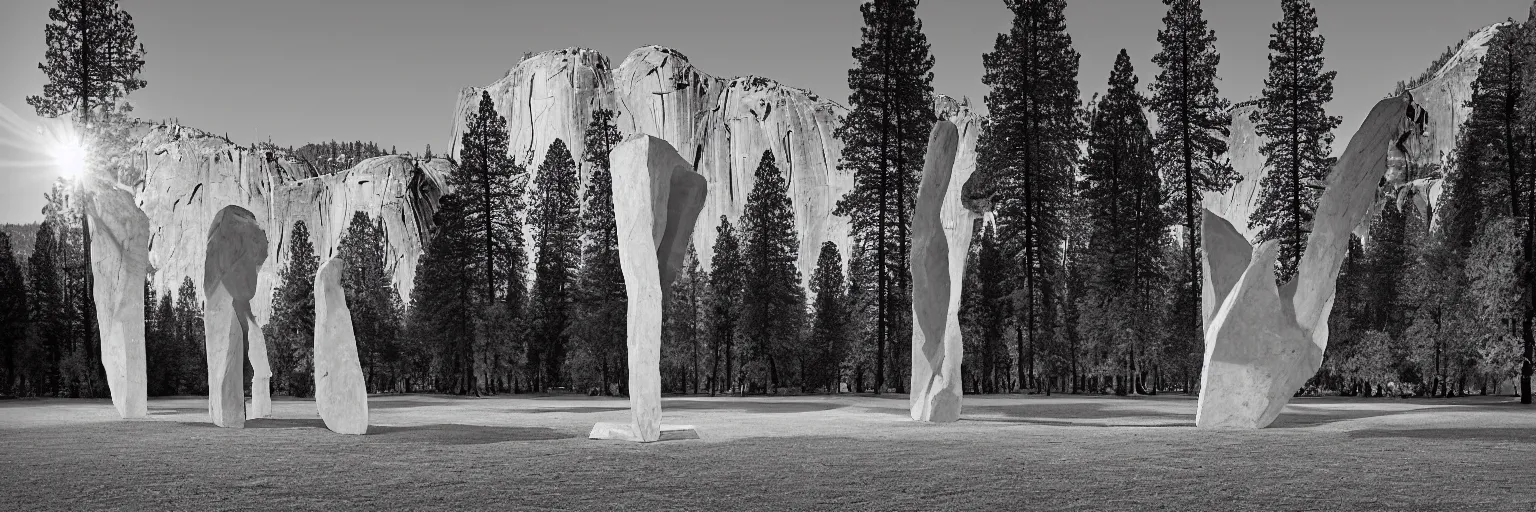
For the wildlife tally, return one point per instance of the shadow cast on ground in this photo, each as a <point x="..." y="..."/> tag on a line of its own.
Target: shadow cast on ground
<point x="462" y="435"/>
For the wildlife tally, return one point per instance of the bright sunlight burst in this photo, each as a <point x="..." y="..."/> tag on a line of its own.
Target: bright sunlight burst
<point x="69" y="157"/>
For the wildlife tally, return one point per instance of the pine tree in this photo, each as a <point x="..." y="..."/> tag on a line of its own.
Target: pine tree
<point x="92" y="63"/>
<point x="771" y="296"/>
<point x="685" y="321"/>
<point x="1127" y="227"/>
<point x="556" y="222"/>
<point x="189" y="319"/>
<point x="1492" y="182"/>
<point x="601" y="310"/>
<point x="490" y="184"/>
<point x="292" y="336"/>
<point x="167" y="331"/>
<point x="725" y="294"/>
<point x="829" y="330"/>
<point x="46" y="303"/>
<point x="442" y="310"/>
<point x="884" y="137"/>
<point x="371" y="298"/>
<point x="1291" y="116"/>
<point x="13" y="315"/>
<point x="990" y="312"/>
<point x="1191" y="137"/>
<point x="1030" y="147"/>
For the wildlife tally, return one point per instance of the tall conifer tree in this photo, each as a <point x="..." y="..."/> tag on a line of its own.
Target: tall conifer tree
<point x="1030" y="147"/>
<point x="292" y="336"/>
<point x="601" y="308"/>
<point x="1127" y="225"/>
<point x="556" y="222"/>
<point x="13" y="314"/>
<point x="884" y="137"/>
<point x="771" y="298"/>
<point x="489" y="183"/>
<point x="1299" y="132"/>
<point x="725" y="282"/>
<point x="1191" y="136"/>
<point x="829" y="330"/>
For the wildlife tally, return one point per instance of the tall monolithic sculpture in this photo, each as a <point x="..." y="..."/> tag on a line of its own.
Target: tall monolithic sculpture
<point x="236" y="248"/>
<point x="1262" y="341"/>
<point x="656" y="200"/>
<point x="119" y="262"/>
<point x="942" y="226"/>
<point x="340" y="392"/>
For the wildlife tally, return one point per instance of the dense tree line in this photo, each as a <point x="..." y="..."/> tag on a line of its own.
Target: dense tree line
<point x="1086" y="277"/>
<point x="332" y="157"/>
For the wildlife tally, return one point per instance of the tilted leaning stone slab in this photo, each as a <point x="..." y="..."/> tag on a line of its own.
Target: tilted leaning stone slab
<point x="119" y="263"/>
<point x="340" y="392"/>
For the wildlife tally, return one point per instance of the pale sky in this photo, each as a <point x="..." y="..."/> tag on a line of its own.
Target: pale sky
<point x="389" y="70"/>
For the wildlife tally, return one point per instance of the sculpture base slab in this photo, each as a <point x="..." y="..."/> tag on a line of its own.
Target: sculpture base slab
<point x="626" y="432"/>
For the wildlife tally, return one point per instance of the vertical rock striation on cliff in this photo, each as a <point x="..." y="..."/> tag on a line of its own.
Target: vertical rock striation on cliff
<point x="720" y="126"/>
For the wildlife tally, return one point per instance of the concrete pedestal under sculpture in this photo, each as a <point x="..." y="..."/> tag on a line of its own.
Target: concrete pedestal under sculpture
<point x="119" y="262"/>
<point x="941" y="239"/>
<point x="656" y="200"/>
<point x="236" y="248"/>
<point x="1263" y="342"/>
<point x="340" y="392"/>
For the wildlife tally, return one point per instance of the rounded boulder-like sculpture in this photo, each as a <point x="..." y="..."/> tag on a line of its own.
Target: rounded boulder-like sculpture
<point x="236" y="248"/>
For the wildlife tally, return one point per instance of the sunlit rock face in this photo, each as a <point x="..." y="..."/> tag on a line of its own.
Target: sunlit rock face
<point x="1263" y="342"/>
<point x="341" y="395"/>
<point x="1416" y="170"/>
<point x="184" y="176"/>
<point x="656" y="200"/>
<point x="119" y="261"/>
<point x="236" y="248"/>
<point x="720" y="126"/>
<point x="942" y="226"/>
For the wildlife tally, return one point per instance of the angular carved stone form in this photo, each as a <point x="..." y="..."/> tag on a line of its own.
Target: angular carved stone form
<point x="941" y="238"/>
<point x="236" y="248"/>
<point x="340" y="392"/>
<point x="119" y="262"/>
<point x="656" y="200"/>
<point x="1263" y="342"/>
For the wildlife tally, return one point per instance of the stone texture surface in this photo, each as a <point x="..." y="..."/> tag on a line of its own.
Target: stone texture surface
<point x="183" y="176"/>
<point x="1264" y="342"/>
<point x="340" y="392"/>
<point x="651" y="225"/>
<point x="236" y="248"/>
<point x="941" y="237"/>
<point x="721" y="126"/>
<point x="119" y="262"/>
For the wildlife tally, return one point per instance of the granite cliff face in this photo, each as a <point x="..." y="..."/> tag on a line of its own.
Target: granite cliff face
<point x="1414" y="175"/>
<point x="187" y="176"/>
<point x="721" y="126"/>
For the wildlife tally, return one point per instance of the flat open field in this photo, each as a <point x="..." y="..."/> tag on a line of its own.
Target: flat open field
<point x="812" y="452"/>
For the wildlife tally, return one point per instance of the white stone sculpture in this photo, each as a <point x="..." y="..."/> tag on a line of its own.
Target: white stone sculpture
<point x="236" y="249"/>
<point x="119" y="262"/>
<point x="340" y="392"/>
<point x="656" y="201"/>
<point x="1263" y="342"/>
<point x="941" y="238"/>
